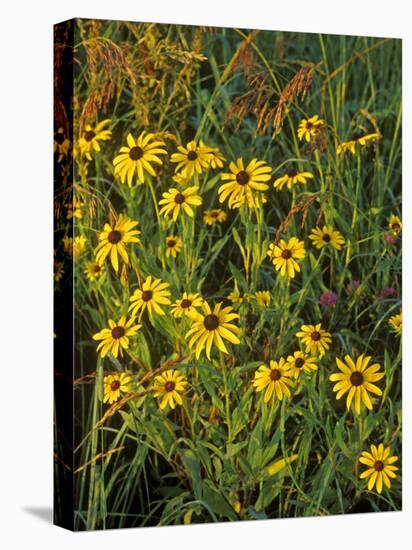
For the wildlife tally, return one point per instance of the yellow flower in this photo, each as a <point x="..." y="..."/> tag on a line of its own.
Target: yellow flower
<point x="238" y="297"/>
<point x="75" y="209"/>
<point x="275" y="380"/>
<point x="192" y="158"/>
<point x="351" y="144"/>
<point x="173" y="200"/>
<point x="91" y="136"/>
<point x="345" y="146"/>
<point x="284" y="256"/>
<point x="93" y="271"/>
<point x="58" y="270"/>
<point x="137" y="158"/>
<point x="173" y="246"/>
<point x="216" y="159"/>
<point x="74" y="247"/>
<point x="186" y="305"/>
<point x="244" y="183"/>
<point x="182" y="178"/>
<point x="263" y="298"/>
<point x="357" y="379"/>
<point x="315" y="338"/>
<point x="114" y="385"/>
<point x="114" y="239"/>
<point x="152" y="294"/>
<point x="299" y="362"/>
<point x="168" y="386"/>
<point x="210" y="217"/>
<point x="291" y="178"/>
<point x="116" y="338"/>
<point x="380" y="467"/>
<point x="213" y="327"/>
<point x="61" y="144"/>
<point x="309" y="128"/>
<point x="326" y="236"/>
<point x="396" y="323"/>
<point x="395" y="224"/>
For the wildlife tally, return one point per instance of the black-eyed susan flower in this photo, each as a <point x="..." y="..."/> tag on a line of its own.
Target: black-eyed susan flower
<point x="114" y="385"/>
<point x="285" y="256"/>
<point x="152" y="295"/>
<point x="395" y="224"/>
<point x="216" y="158"/>
<point x="194" y="158"/>
<point x="89" y="141"/>
<point x="173" y="246"/>
<point x="114" y="239"/>
<point x="291" y="178"/>
<point x="380" y="467"/>
<point x="186" y="305"/>
<point x="210" y="217"/>
<point x="136" y="159"/>
<point x="212" y="327"/>
<point x="168" y="386"/>
<point x="274" y="380"/>
<point x="243" y="183"/>
<point x="315" y="338"/>
<point x="308" y="128"/>
<point x="115" y="338"/>
<point x="239" y="297"/>
<point x="356" y="140"/>
<point x="326" y="236"/>
<point x="299" y="362"/>
<point x="396" y="323"/>
<point x="357" y="380"/>
<point x="61" y="144"/>
<point x="93" y="271"/>
<point x="74" y="247"/>
<point x="174" y="200"/>
<point x="263" y="298"/>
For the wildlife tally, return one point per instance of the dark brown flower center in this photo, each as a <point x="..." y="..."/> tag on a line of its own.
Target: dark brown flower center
<point x="379" y="465"/>
<point x="211" y="322"/>
<point x="242" y="177"/>
<point x="89" y="135"/>
<point x="171" y="243"/>
<point x="185" y="303"/>
<point x="179" y="198"/>
<point x="326" y="237"/>
<point x="118" y="332"/>
<point x="97" y="268"/>
<point x="292" y="173"/>
<point x="286" y="254"/>
<point x="309" y="125"/>
<point x="192" y="155"/>
<point x="115" y="385"/>
<point x="170" y="385"/>
<point x="216" y="214"/>
<point x="299" y="363"/>
<point x="147" y="295"/>
<point x="59" y="138"/>
<point x="396" y="226"/>
<point x="136" y="153"/>
<point x="356" y="378"/>
<point x="315" y="335"/>
<point x="114" y="236"/>
<point x="275" y="374"/>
